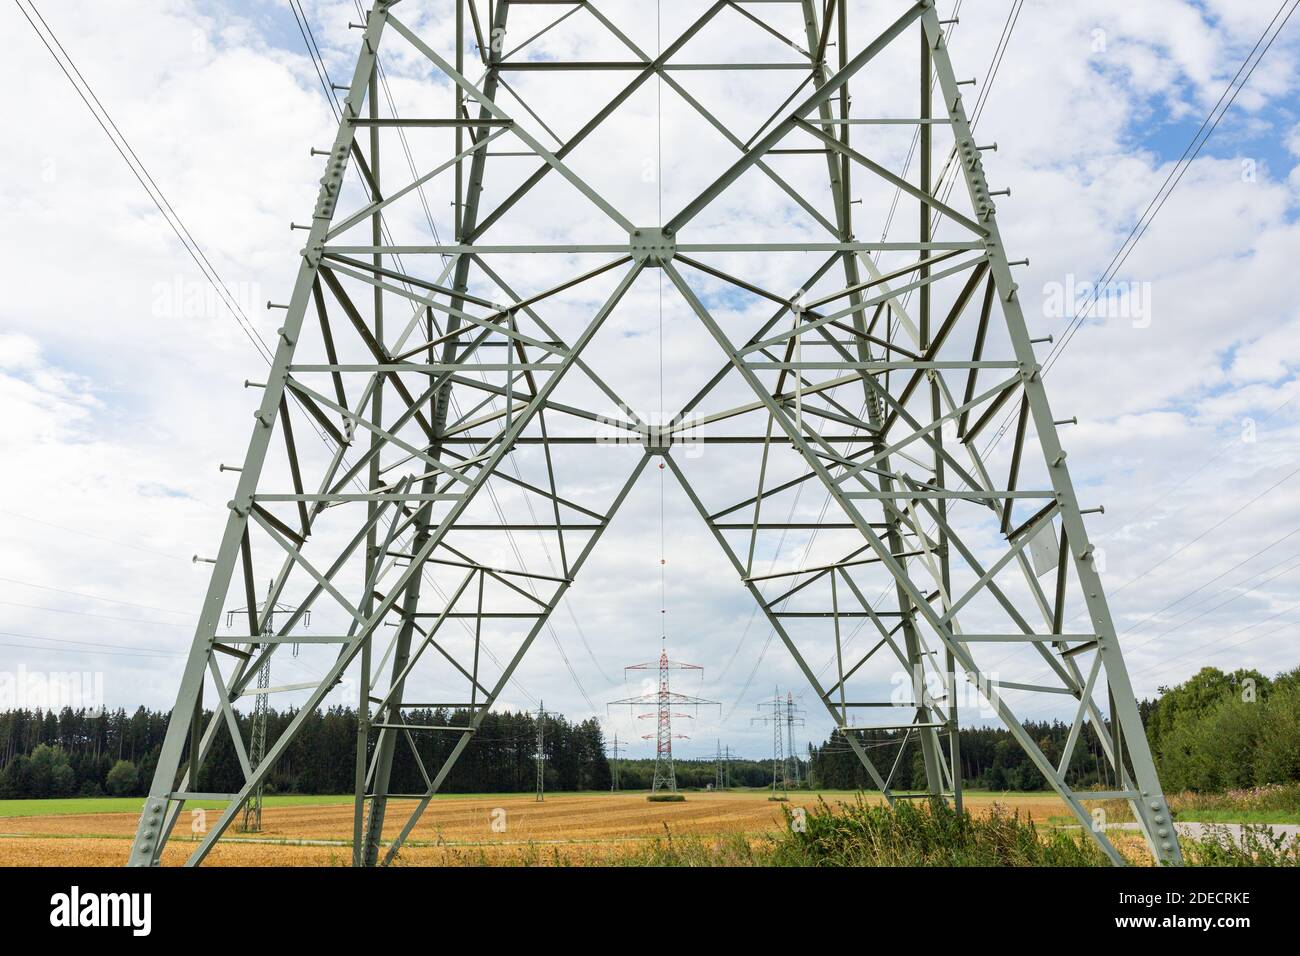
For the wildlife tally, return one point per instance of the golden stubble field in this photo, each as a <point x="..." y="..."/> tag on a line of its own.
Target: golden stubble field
<point x="588" y="828"/>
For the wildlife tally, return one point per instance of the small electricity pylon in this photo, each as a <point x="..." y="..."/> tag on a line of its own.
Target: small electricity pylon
<point x="783" y="715"/>
<point x="665" y="700"/>
<point x="793" y="715"/>
<point x="265" y="612"/>
<point x="617" y="753"/>
<point x="722" y="775"/>
<point x="541" y="751"/>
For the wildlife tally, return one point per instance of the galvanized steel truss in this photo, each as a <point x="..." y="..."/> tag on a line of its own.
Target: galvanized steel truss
<point x="447" y="400"/>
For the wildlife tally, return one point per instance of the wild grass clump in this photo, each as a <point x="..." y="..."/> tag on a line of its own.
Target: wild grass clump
<point x="1256" y="845"/>
<point x="1271" y="803"/>
<point x="1280" y="798"/>
<point x="908" y="834"/>
<point x="728" y="849"/>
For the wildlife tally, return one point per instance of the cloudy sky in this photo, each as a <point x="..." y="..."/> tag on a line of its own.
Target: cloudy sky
<point x="121" y="373"/>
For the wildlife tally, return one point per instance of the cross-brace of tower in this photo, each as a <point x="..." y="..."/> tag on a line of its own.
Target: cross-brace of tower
<point x="664" y="699"/>
<point x="466" y="381"/>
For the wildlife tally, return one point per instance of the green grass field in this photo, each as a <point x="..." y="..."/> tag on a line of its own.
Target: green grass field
<point x="1275" y="803"/>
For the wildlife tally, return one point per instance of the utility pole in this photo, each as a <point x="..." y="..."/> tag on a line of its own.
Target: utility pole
<point x="781" y="714"/>
<point x="541" y="751"/>
<point x="252" y="822"/>
<point x="793" y="714"/>
<point x="614" y="762"/>
<point x="261" y="618"/>
<point x="664" y="700"/>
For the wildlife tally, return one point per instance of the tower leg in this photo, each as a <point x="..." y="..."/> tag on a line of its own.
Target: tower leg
<point x="839" y="173"/>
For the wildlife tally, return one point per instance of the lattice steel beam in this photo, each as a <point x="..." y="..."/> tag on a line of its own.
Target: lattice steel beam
<point x="475" y="444"/>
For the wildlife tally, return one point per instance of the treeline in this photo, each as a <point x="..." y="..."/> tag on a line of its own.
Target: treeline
<point x="1214" y="732"/>
<point x="991" y="759"/>
<point x="79" y="753"/>
<point x="698" y="774"/>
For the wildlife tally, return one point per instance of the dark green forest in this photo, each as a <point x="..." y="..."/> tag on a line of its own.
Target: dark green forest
<point x="1214" y="732"/>
<point x="75" y="753"/>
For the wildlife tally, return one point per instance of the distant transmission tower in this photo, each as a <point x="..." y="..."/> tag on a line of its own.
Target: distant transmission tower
<point x="664" y="700"/>
<point x="781" y="714"/>
<point x="617" y="753"/>
<point x="251" y="821"/>
<point x="722" y="775"/>
<point x="793" y="718"/>
<point x="541" y="751"/>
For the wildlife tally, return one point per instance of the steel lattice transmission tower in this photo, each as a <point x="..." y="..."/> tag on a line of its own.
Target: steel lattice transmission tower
<point x="793" y="718"/>
<point x="541" y="752"/>
<point x="664" y="699"/>
<point x="616" y="758"/>
<point x="450" y="421"/>
<point x="782" y="714"/>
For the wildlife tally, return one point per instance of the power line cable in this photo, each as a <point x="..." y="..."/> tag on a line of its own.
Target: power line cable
<point x="93" y="597"/>
<point x="1139" y="230"/>
<point x="1171" y="182"/>
<point x="84" y="90"/>
<point x="1218" y="524"/>
<point x="1154" y="614"/>
<point x="173" y="220"/>
<point x="102" y="617"/>
<point x="124" y="650"/>
<point x="1165" y="493"/>
<point x="1180" y="168"/>
<point x="314" y="53"/>
<point x="990" y="75"/>
<point x="1292" y="559"/>
<point x="1133" y="580"/>
<point x="98" y="537"/>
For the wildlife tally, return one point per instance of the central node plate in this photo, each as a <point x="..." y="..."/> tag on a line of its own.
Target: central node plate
<point x="653" y="245"/>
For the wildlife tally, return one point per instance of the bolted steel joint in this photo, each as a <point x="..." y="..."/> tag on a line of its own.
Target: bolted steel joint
<point x="653" y="245"/>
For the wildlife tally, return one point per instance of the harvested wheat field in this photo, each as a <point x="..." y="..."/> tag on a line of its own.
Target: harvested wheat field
<point x="565" y="828"/>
